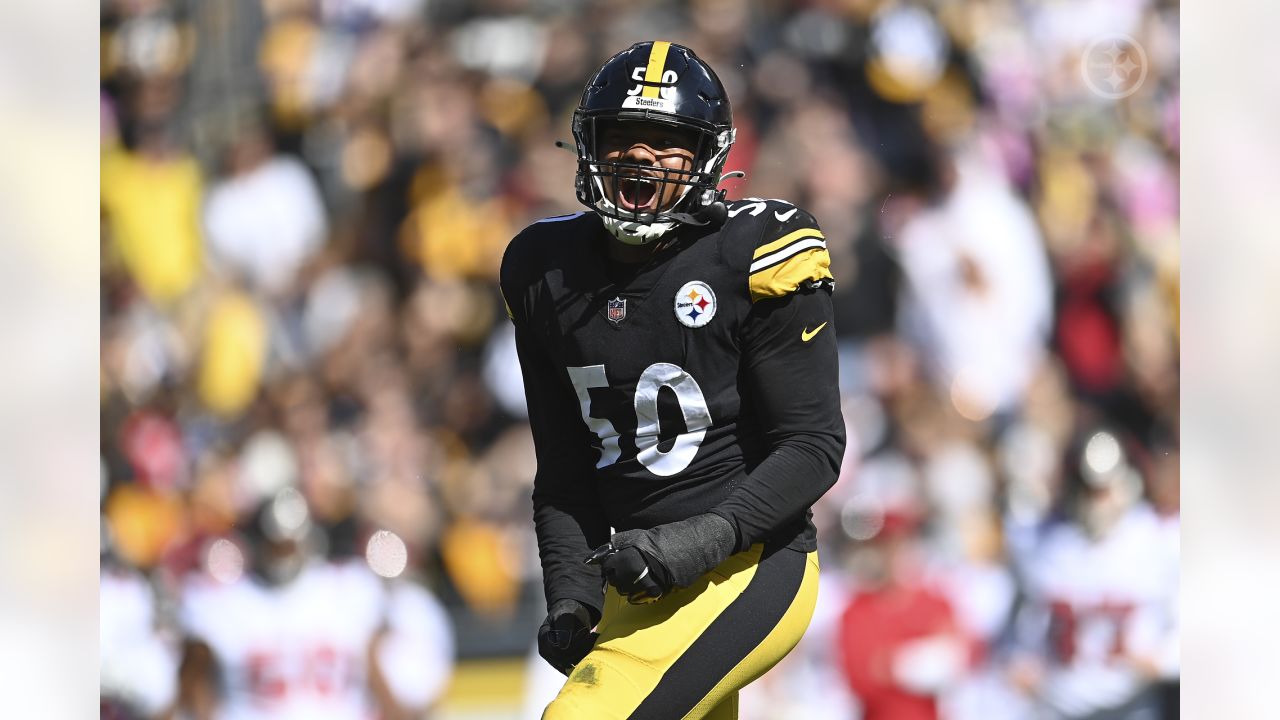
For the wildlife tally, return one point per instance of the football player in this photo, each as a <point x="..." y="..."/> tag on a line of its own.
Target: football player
<point x="298" y="636"/>
<point x="1099" y="621"/>
<point x="679" y="362"/>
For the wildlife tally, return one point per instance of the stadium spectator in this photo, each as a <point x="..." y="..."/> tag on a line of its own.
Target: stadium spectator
<point x="899" y="642"/>
<point x="265" y="218"/>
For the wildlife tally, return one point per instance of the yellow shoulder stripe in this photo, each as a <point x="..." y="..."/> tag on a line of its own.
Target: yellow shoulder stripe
<point x="653" y="71"/>
<point x="786" y="240"/>
<point x="786" y="277"/>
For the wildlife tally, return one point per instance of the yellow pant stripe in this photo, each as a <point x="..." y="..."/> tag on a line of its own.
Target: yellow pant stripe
<point x="640" y="646"/>
<point x="653" y="72"/>
<point x="780" y="641"/>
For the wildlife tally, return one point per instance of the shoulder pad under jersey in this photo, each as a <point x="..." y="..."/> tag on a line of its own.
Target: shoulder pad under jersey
<point x="781" y="246"/>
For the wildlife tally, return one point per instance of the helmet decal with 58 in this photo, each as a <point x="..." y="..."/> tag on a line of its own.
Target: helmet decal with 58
<point x="655" y="83"/>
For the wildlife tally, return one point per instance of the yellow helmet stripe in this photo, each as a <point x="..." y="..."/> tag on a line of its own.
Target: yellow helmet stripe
<point x="653" y="73"/>
<point x="786" y="240"/>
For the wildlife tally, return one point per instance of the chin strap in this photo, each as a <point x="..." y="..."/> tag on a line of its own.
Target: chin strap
<point x="714" y="214"/>
<point x="634" y="233"/>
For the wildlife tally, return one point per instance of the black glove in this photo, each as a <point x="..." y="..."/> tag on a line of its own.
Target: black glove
<point x="565" y="636"/>
<point x="644" y="565"/>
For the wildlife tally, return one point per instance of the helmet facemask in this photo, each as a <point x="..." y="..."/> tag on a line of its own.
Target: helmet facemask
<point x="629" y="196"/>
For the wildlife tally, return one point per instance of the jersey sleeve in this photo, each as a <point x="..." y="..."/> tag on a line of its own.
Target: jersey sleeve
<point x="789" y="381"/>
<point x="791" y="256"/>
<point x="567" y="516"/>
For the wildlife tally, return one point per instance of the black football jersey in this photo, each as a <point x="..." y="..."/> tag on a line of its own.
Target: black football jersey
<point x="702" y="380"/>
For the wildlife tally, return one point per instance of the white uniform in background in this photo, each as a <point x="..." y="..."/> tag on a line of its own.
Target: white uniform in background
<point x="983" y="596"/>
<point x="1096" y="604"/>
<point x="977" y="293"/>
<point x="301" y="650"/>
<point x="136" y="664"/>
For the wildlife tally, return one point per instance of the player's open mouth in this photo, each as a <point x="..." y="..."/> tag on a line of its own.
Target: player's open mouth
<point x="637" y="194"/>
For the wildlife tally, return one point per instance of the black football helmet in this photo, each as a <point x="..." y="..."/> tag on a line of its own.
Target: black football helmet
<point x="1101" y="481"/>
<point x="281" y="537"/>
<point x="655" y="82"/>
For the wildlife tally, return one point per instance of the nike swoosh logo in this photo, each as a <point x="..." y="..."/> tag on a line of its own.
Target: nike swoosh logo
<point x="784" y="216"/>
<point x="806" y="335"/>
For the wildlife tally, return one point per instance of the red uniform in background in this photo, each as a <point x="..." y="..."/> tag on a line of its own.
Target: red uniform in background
<point x="899" y="642"/>
<point x="878" y="632"/>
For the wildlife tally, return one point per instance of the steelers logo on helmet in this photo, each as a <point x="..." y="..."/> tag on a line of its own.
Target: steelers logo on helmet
<point x="695" y="304"/>
<point x="651" y="85"/>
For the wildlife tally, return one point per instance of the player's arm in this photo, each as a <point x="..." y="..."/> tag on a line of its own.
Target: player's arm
<point x="197" y="681"/>
<point x="568" y="519"/>
<point x="790" y="382"/>
<point x="411" y="657"/>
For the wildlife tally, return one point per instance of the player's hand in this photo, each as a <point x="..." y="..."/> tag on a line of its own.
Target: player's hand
<point x="1026" y="675"/>
<point x="1146" y="666"/>
<point x="645" y="565"/>
<point x="638" y="577"/>
<point x="565" y="636"/>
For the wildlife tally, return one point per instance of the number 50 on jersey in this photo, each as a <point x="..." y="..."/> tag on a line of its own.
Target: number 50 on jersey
<point x="693" y="405"/>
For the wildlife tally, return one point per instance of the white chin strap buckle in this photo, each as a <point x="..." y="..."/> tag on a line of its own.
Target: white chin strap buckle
<point x="634" y="233"/>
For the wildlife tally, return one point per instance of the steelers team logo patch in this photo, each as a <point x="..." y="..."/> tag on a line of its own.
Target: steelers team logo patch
<point x="695" y="304"/>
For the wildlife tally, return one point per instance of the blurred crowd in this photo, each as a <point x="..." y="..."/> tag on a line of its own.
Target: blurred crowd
<point x="304" y="206"/>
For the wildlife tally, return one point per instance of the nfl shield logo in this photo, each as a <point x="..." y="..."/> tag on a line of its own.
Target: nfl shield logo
<point x="617" y="310"/>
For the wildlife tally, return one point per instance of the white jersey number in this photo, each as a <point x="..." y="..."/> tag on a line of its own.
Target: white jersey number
<point x="693" y="405"/>
<point x="592" y="376"/>
<point x="755" y="206"/>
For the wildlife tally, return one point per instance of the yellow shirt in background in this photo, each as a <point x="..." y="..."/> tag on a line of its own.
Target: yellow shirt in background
<point x="153" y="212"/>
<point x="452" y="235"/>
<point x="233" y="355"/>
